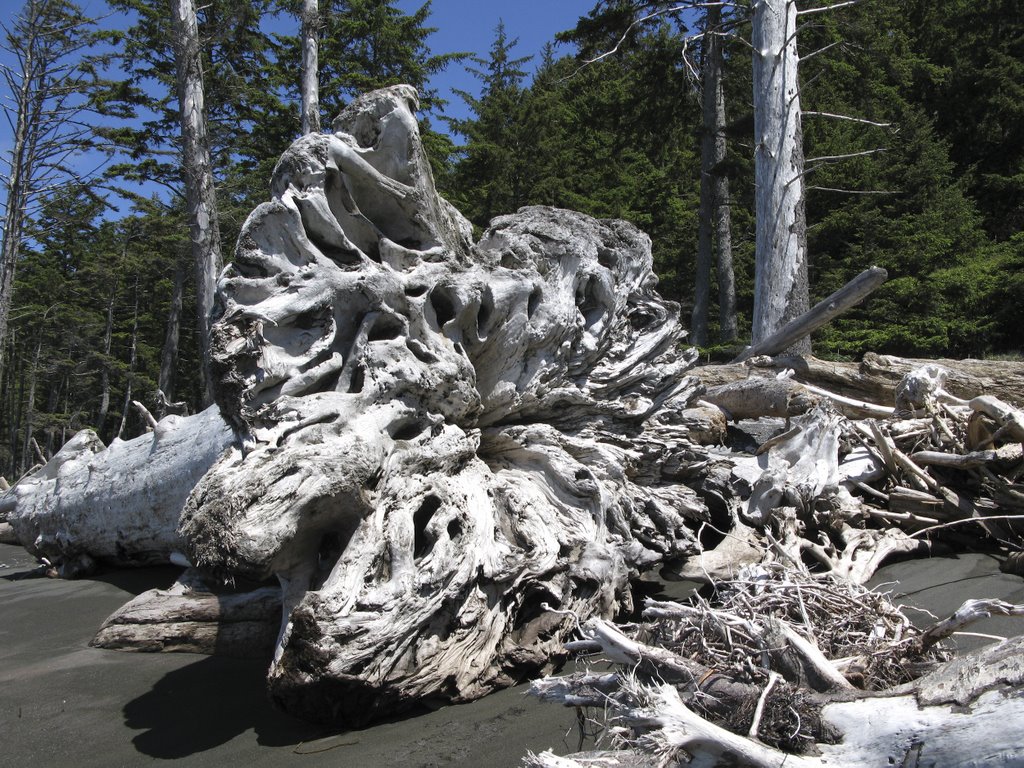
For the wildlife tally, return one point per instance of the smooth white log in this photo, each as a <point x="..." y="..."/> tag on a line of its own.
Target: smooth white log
<point x="119" y="503"/>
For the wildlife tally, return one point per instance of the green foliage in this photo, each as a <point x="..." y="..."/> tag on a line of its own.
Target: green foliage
<point x="614" y="139"/>
<point x="941" y="208"/>
<point x="903" y="208"/>
<point x="975" y="91"/>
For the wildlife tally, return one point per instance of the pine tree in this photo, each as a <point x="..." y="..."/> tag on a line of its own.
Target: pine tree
<point x="900" y="208"/>
<point x="974" y="89"/>
<point x="52" y="85"/>
<point x="370" y="44"/>
<point x="491" y="174"/>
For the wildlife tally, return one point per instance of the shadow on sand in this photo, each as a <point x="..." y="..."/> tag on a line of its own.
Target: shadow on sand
<point x="206" y="704"/>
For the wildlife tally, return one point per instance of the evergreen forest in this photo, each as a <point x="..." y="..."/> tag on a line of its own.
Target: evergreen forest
<point x="913" y="137"/>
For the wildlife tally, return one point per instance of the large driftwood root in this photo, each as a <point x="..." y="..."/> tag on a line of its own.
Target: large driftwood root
<point x="437" y="438"/>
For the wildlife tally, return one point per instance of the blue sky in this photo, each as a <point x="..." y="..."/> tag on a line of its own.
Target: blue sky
<point x="462" y="25"/>
<point x="468" y="25"/>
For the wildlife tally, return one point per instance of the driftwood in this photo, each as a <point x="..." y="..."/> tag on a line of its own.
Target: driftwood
<point x="757" y="397"/>
<point x="794" y="672"/>
<point x="799" y="652"/>
<point x="450" y="455"/>
<point x="876" y="377"/>
<point x="433" y="437"/>
<point x="430" y="438"/>
<point x="822" y="313"/>
<point x="117" y="504"/>
<point x="190" y="618"/>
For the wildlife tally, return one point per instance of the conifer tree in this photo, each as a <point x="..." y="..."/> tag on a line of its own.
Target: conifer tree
<point x="51" y="85"/>
<point x="492" y="170"/>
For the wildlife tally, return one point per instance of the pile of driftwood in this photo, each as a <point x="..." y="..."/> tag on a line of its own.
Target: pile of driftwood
<point x="432" y="457"/>
<point x="785" y="658"/>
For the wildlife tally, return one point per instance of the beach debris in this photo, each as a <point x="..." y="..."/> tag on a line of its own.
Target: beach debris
<point x="429" y="438"/>
<point x="784" y="661"/>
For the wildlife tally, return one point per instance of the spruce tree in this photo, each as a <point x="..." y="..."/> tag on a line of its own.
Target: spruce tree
<point x="52" y="86"/>
<point x="491" y="173"/>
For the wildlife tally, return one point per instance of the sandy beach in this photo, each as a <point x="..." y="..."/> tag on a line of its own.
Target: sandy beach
<point x="67" y="704"/>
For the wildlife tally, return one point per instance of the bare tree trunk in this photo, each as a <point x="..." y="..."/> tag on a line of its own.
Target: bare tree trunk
<point x="780" y="280"/>
<point x="198" y="171"/>
<point x="30" y="407"/>
<point x="14" y="215"/>
<point x="169" y="355"/>
<point x="723" y="214"/>
<point x="714" y="218"/>
<point x="108" y="334"/>
<point x="705" y="235"/>
<point x="310" y="67"/>
<point x="133" y="355"/>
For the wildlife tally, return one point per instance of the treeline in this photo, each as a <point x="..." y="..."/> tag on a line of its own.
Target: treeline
<point x="926" y="181"/>
<point x="913" y="114"/>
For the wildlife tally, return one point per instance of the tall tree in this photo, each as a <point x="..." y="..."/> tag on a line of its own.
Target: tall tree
<point x="54" y="73"/>
<point x="714" y="236"/>
<point x="974" y="88"/>
<point x="310" y="31"/>
<point x="490" y="179"/>
<point x="369" y="44"/>
<point x="780" y="270"/>
<point x="198" y="173"/>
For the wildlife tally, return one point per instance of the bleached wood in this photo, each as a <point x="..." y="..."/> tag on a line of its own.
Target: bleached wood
<point x="197" y="169"/>
<point x="851" y="294"/>
<point x="437" y="437"/>
<point x="876" y="377"/>
<point x="757" y="397"/>
<point x="118" y="503"/>
<point x="958" y="714"/>
<point x="780" y="268"/>
<point x="1010" y="419"/>
<point x="310" y="86"/>
<point x="243" y="625"/>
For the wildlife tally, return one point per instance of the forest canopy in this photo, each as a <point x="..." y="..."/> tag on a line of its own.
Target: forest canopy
<point x="98" y="302"/>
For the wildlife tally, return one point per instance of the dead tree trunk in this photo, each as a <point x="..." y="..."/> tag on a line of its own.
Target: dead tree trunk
<point x="169" y="354"/>
<point x="198" y="172"/>
<point x="310" y="67"/>
<point x="108" y="336"/>
<point x="133" y="351"/>
<point x="714" y="235"/>
<point x="780" y="279"/>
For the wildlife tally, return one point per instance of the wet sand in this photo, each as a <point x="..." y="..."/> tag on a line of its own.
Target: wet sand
<point x="64" y="703"/>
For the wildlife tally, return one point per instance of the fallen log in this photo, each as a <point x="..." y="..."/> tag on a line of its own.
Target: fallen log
<point x="117" y="504"/>
<point x="876" y="377"/>
<point x="753" y="398"/>
<point x="851" y="294"/>
<point x="192" y="620"/>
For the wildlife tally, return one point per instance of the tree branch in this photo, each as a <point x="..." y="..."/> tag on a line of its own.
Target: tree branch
<point x="824" y="8"/>
<point x="846" y="117"/>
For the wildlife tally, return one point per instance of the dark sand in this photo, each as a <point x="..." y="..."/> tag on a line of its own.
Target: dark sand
<point x="63" y="703"/>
